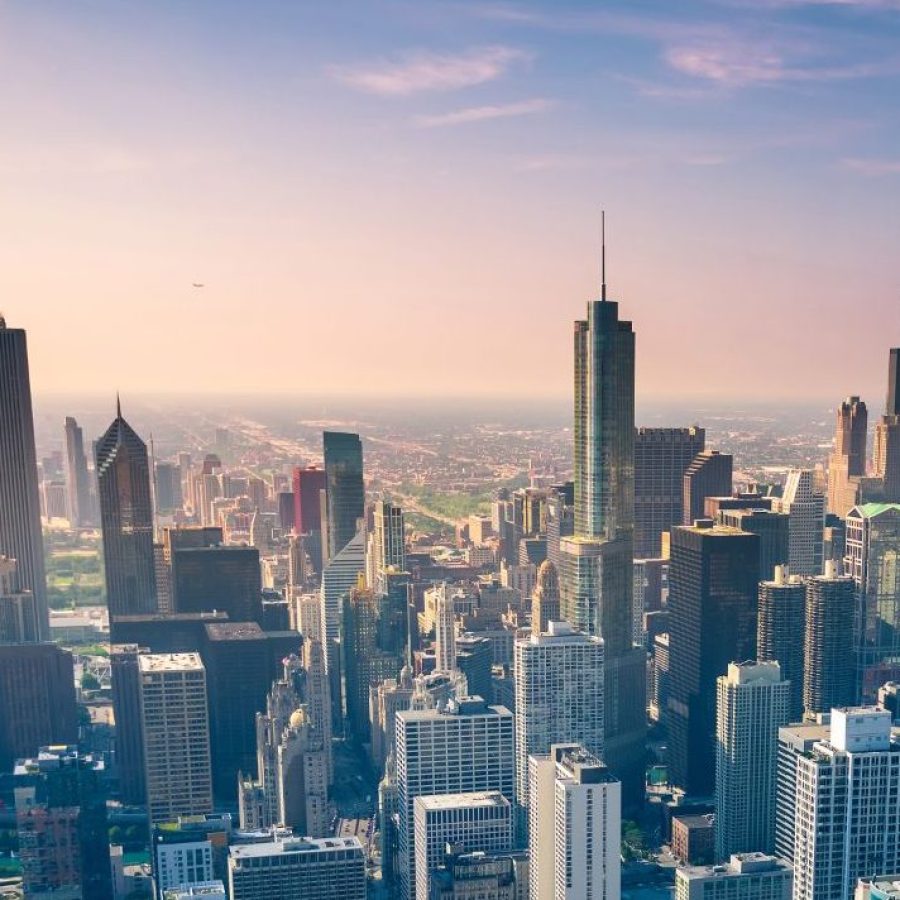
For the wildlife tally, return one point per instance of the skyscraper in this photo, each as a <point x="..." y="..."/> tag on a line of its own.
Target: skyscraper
<point x="217" y="577"/>
<point x="781" y="631"/>
<point x="175" y="728"/>
<point x="773" y="531"/>
<point x="840" y="806"/>
<point x="77" y="484"/>
<point x="712" y="622"/>
<point x="465" y="747"/>
<point x="828" y="657"/>
<point x="20" y="506"/>
<point x="126" y="516"/>
<point x="753" y="701"/>
<point x="575" y="813"/>
<point x="346" y="494"/>
<point x="596" y="562"/>
<point x="545" y="599"/>
<point x="886" y="455"/>
<point x="873" y="559"/>
<point x="559" y="699"/>
<point x="661" y="458"/>
<point x="806" y="522"/>
<point x="390" y="540"/>
<point x="708" y="475"/>
<point x="847" y="463"/>
<point x="126" y="691"/>
<point x="445" y="631"/>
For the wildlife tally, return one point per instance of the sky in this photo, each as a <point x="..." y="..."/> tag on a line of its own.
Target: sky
<point x="402" y="197"/>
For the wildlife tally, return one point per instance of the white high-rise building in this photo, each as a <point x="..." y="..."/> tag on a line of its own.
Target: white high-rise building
<point x="839" y="801"/>
<point x="175" y="735"/>
<point x="575" y="820"/>
<point x="806" y="521"/>
<point x="466" y="746"/>
<point x="753" y="702"/>
<point x="445" y="632"/>
<point x="478" y="821"/>
<point x="317" y="693"/>
<point x="559" y="699"/>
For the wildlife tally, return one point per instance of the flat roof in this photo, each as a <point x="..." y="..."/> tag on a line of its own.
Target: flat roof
<point x="293" y="845"/>
<point x="170" y="662"/>
<point x="472" y="799"/>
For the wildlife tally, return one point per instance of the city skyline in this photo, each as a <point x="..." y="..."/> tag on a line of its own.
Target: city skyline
<point x="450" y="161"/>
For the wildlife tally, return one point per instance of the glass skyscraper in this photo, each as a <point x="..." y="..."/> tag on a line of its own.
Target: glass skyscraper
<point x="344" y="484"/>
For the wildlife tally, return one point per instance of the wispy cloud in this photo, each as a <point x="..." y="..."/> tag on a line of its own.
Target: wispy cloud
<point x="424" y="71"/>
<point x="485" y="113"/>
<point x="872" y="165"/>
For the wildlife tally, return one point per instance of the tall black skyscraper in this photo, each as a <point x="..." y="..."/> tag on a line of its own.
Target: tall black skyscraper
<point x="126" y="516"/>
<point x="20" y="505"/>
<point x="712" y="622"/>
<point x="709" y="475"/>
<point x="77" y="484"/>
<point x="345" y="489"/>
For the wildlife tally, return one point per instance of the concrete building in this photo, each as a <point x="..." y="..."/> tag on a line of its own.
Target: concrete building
<point x="753" y="703"/>
<point x="694" y="838"/>
<point x="466" y="746"/>
<point x="175" y="729"/>
<point x="839" y="810"/>
<point x="559" y="699"/>
<point x="661" y="458"/>
<point x="781" y="631"/>
<point x="805" y="509"/>
<point x="847" y="463"/>
<point x="492" y="876"/>
<point x="296" y="868"/>
<point x="545" y="599"/>
<point x="746" y="876"/>
<point x="575" y="810"/>
<point x="478" y="821"/>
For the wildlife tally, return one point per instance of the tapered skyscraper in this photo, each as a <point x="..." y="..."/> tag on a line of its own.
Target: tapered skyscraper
<point x="20" y="509"/>
<point x="126" y="515"/>
<point x="344" y="486"/>
<point x="596" y="562"/>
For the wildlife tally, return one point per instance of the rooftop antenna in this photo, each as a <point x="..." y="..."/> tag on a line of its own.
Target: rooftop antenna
<point x="118" y="406"/>
<point x="603" y="254"/>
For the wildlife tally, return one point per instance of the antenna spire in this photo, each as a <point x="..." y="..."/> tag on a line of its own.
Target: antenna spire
<point x="118" y="406"/>
<point x="603" y="254"/>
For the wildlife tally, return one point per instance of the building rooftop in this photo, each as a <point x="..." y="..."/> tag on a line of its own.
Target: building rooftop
<point x="284" y="845"/>
<point x="454" y="801"/>
<point x="458" y="708"/>
<point x="170" y="662"/>
<point x="234" y="631"/>
<point x="887" y="886"/>
<point x="870" y="510"/>
<point x="739" y="864"/>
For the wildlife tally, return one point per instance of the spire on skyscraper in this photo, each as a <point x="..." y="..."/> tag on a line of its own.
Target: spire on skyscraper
<point x="603" y="254"/>
<point x="118" y="406"/>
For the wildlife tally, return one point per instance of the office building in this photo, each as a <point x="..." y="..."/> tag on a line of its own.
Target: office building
<point x="712" y="622"/>
<point x="694" y="838"/>
<point x="444" y="630"/>
<point x="60" y="797"/>
<point x="560" y="517"/>
<point x="872" y="545"/>
<point x="175" y="729"/>
<point x="190" y="850"/>
<point x="298" y="868"/>
<point x="559" y="698"/>
<point x="805" y="509"/>
<point x="661" y="458"/>
<point x="774" y="538"/>
<point x="126" y="518"/>
<point x="847" y="463"/>
<point x="126" y="696"/>
<point x="708" y="475"/>
<point x="464" y="747"/>
<point x="345" y="490"/>
<point x="828" y="652"/>
<point x="385" y="701"/>
<point x="19" y="619"/>
<point x="886" y="452"/>
<point x="204" y="890"/>
<point x="498" y="876"/>
<point x="781" y="631"/>
<point x="390" y="540"/>
<point x="840" y="806"/>
<point x="317" y="696"/>
<point x="340" y="575"/>
<point x="545" y="599"/>
<point x="596" y="562"/>
<point x="241" y="662"/>
<point x="78" y="486"/>
<point x="167" y="483"/>
<point x="753" y="703"/>
<point x="746" y="876"/>
<point x="226" y="579"/>
<point x="37" y="700"/>
<point x="20" y="508"/>
<point x="658" y="683"/>
<point x="575" y="812"/>
<point x="478" y="821"/>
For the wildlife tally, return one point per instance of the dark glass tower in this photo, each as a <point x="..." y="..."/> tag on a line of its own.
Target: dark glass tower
<point x="77" y="482"/>
<point x="20" y="506"/>
<point x="596" y="562"/>
<point x="712" y="622"/>
<point x="344" y="485"/>
<point x="126" y="517"/>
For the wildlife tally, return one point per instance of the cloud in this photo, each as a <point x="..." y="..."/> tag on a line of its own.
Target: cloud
<point x="872" y="165"/>
<point x="424" y="71"/>
<point x="485" y="113"/>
